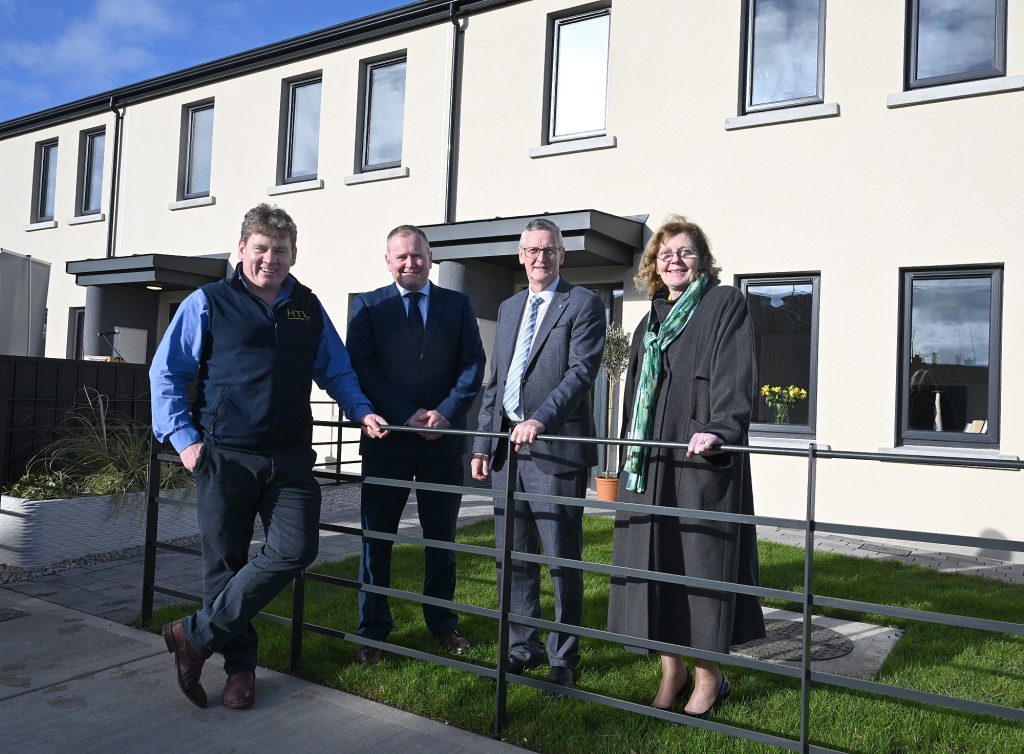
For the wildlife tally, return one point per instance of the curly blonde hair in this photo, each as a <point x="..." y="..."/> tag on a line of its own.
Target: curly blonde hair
<point x="647" y="279"/>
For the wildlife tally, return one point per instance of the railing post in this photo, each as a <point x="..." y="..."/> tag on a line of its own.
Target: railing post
<point x="508" y="528"/>
<point x="152" y="521"/>
<point x="298" y="619"/>
<point x="805" y="681"/>
<point x="337" y="455"/>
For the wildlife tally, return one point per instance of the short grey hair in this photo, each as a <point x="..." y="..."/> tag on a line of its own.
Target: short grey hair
<point x="410" y="230"/>
<point x="539" y="223"/>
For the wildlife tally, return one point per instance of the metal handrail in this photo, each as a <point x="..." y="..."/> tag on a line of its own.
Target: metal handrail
<point x="809" y="600"/>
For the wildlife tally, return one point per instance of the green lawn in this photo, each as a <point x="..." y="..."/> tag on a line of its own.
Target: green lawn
<point x="970" y="664"/>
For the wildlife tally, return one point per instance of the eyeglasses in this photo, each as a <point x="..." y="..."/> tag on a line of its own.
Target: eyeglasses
<point x="682" y="254"/>
<point x="535" y="251"/>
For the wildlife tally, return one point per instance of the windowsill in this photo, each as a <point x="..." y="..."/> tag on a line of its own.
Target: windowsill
<point x="40" y="225"/>
<point x="575" y="145"/>
<point x="97" y="217"/>
<point x="956" y="91"/>
<point x="292" y="188"/>
<point x="372" y="176"/>
<point x="956" y="451"/>
<point x="780" y="441"/>
<point x="199" y="201"/>
<point x="783" y="115"/>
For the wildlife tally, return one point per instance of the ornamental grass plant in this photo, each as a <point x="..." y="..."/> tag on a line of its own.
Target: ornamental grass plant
<point x="969" y="664"/>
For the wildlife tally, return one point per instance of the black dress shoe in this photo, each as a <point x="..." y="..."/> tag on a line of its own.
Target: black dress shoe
<point x="723" y="694"/>
<point x="188" y="665"/>
<point x="454" y="642"/>
<point x="517" y="665"/>
<point x="560" y="676"/>
<point x="368" y="656"/>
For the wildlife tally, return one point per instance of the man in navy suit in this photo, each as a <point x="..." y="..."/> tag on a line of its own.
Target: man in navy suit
<point x="547" y="352"/>
<point x="416" y="349"/>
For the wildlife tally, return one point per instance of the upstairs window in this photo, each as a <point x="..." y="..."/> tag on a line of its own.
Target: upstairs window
<point x="785" y="53"/>
<point x="578" y="78"/>
<point x="383" y="111"/>
<point x="301" y="145"/>
<point x="949" y="357"/>
<point x="90" y="172"/>
<point x="955" y="40"/>
<point x="784" y="314"/>
<point x="44" y="182"/>
<point x="196" y="154"/>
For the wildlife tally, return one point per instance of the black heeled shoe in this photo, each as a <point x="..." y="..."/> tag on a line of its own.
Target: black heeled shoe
<point x="684" y="691"/>
<point x="723" y="694"/>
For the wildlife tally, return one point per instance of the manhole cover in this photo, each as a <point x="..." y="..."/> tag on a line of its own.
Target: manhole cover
<point x="9" y="613"/>
<point x="784" y="641"/>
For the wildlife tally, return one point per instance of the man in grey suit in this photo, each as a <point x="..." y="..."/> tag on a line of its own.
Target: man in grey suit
<point x="547" y="352"/>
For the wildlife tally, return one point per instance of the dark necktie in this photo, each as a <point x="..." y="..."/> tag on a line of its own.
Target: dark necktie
<point x="415" y="319"/>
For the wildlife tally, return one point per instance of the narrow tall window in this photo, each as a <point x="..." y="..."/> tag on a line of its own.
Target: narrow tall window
<point x="198" y="150"/>
<point x="784" y="313"/>
<point x="90" y="172"/>
<point x="785" y="50"/>
<point x="45" y="181"/>
<point x="949" y="351"/>
<point x="955" y="40"/>
<point x="579" y="76"/>
<point x="383" y="114"/>
<point x="303" y="131"/>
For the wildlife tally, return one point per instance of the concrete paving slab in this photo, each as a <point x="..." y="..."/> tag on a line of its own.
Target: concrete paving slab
<point x="72" y="682"/>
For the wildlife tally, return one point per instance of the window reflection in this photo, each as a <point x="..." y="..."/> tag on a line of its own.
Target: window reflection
<point x="956" y="37"/>
<point x="305" y="134"/>
<point x="948" y="371"/>
<point x="580" y="81"/>
<point x="385" y="115"/>
<point x="200" y="151"/>
<point x="48" y="182"/>
<point x="782" y="316"/>
<point x="784" y="51"/>
<point x="93" y="173"/>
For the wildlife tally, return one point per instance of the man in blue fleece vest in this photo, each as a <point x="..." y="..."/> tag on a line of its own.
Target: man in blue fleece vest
<point x="254" y="344"/>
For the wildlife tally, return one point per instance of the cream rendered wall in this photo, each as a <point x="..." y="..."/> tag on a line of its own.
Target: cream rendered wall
<point x="65" y="242"/>
<point x="856" y="197"/>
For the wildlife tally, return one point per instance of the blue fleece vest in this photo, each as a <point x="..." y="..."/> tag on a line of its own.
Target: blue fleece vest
<point x="256" y="371"/>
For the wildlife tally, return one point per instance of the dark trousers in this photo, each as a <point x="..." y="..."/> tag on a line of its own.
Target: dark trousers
<point x="559" y="530"/>
<point x="381" y="510"/>
<point x="232" y="488"/>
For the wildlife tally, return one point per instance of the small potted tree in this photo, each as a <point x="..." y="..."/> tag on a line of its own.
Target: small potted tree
<point x="614" y="360"/>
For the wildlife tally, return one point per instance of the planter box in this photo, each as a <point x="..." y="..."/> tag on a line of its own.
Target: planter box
<point x="40" y="532"/>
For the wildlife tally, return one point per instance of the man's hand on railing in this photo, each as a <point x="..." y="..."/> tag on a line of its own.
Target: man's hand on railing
<point x="190" y="455"/>
<point x="431" y="419"/>
<point x="372" y="426"/>
<point x="479" y="467"/>
<point x="526" y="432"/>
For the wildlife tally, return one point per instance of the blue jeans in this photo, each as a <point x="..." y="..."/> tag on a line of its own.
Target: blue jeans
<point x="232" y="488"/>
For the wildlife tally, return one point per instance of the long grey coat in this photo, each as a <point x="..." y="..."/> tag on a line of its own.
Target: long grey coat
<point x="707" y="385"/>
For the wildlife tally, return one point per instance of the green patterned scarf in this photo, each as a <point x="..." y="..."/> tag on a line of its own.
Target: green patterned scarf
<point x="656" y="341"/>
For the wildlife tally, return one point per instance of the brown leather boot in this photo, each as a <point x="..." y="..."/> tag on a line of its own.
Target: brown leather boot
<point x="187" y="663"/>
<point x="239" y="691"/>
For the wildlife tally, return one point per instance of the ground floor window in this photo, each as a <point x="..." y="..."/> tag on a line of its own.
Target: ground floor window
<point x="784" y="312"/>
<point x="949" y="356"/>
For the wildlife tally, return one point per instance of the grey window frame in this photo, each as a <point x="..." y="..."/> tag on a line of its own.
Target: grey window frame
<point x="76" y="329"/>
<point x="747" y="72"/>
<point x="41" y="188"/>
<point x="367" y="67"/>
<point x="989" y="438"/>
<point x="287" y="127"/>
<point x="85" y="163"/>
<point x="910" y="80"/>
<point x="583" y="13"/>
<point x="766" y="429"/>
<point x="185" y="149"/>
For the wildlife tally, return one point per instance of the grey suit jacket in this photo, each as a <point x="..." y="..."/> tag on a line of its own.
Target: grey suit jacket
<point x="557" y="381"/>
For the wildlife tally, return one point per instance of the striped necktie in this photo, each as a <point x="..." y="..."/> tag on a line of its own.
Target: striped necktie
<point x="514" y="379"/>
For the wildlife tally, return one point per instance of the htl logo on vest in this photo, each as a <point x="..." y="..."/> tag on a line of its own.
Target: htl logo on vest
<point x="298" y="314"/>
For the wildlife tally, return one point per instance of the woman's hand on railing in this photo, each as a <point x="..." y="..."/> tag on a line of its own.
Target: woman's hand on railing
<point x="703" y="444"/>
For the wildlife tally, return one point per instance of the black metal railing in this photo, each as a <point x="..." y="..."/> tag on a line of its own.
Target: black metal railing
<point x="506" y="555"/>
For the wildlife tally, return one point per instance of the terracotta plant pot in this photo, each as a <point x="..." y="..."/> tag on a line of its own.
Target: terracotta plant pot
<point x="607" y="488"/>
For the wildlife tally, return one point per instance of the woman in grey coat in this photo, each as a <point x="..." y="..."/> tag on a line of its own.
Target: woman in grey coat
<point x="690" y="380"/>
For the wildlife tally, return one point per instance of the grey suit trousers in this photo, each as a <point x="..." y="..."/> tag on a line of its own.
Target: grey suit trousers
<point x="559" y="530"/>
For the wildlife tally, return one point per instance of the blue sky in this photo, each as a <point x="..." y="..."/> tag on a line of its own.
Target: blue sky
<point x="56" y="51"/>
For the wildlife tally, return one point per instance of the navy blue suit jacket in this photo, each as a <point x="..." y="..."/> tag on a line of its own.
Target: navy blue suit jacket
<point x="445" y="375"/>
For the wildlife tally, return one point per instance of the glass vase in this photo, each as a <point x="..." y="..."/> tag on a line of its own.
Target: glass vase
<point x="781" y="413"/>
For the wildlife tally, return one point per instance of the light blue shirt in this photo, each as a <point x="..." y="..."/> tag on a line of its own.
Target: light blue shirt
<point x="424" y="299"/>
<point x="179" y="354"/>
